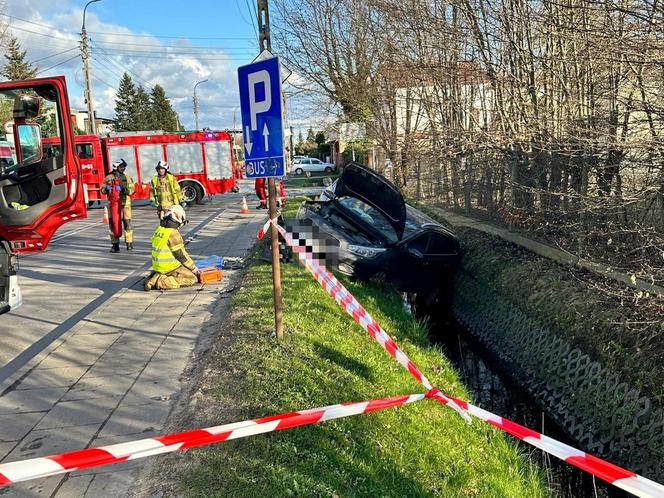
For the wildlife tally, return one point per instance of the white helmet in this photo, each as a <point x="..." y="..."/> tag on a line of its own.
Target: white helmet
<point x="119" y="163"/>
<point x="176" y="213"/>
<point x="161" y="164"/>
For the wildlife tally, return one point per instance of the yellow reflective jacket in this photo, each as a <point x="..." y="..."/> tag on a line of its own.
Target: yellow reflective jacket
<point x="168" y="252"/>
<point x="165" y="191"/>
<point x="163" y="259"/>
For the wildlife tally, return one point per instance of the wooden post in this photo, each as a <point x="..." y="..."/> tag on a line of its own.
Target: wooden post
<point x="264" y="43"/>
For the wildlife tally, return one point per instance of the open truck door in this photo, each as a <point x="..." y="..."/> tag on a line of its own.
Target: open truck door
<point x="40" y="188"/>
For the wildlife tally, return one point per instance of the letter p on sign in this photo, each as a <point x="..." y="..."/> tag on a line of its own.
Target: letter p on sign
<point x="257" y="107"/>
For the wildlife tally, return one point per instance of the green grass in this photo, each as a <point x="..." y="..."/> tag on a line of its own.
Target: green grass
<point x="423" y="449"/>
<point x="315" y="180"/>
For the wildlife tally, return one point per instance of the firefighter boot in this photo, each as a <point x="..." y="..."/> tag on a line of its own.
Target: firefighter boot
<point x="130" y="246"/>
<point x="115" y="247"/>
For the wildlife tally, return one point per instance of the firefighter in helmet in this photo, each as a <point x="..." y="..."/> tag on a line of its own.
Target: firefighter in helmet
<point x="118" y="178"/>
<point x="164" y="189"/>
<point x="260" y="187"/>
<point x="172" y="266"/>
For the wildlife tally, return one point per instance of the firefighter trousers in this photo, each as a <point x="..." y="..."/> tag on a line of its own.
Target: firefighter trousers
<point x="180" y="277"/>
<point x="125" y="215"/>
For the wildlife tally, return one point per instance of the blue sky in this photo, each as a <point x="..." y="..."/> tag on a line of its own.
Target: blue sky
<point x="215" y="18"/>
<point x="207" y="40"/>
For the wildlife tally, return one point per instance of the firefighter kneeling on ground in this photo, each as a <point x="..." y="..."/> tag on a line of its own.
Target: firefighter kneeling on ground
<point x="164" y="190"/>
<point x="117" y="178"/>
<point x="172" y="267"/>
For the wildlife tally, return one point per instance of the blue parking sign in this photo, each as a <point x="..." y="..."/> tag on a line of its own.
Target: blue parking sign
<point x="262" y="126"/>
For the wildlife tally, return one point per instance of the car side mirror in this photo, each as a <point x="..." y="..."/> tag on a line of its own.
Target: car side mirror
<point x="29" y="143"/>
<point x="26" y="106"/>
<point x="415" y="253"/>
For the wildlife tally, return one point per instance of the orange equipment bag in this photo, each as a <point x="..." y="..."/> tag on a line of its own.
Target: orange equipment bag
<point x="210" y="274"/>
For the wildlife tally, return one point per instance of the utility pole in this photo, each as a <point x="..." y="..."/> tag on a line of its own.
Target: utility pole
<point x="264" y="43"/>
<point x="196" y="103"/>
<point x="86" y="73"/>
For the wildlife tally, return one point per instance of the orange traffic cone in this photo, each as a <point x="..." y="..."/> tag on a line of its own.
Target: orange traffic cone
<point x="244" y="209"/>
<point x="105" y="217"/>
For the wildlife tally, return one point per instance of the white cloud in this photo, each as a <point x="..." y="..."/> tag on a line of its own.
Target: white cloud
<point x="152" y="62"/>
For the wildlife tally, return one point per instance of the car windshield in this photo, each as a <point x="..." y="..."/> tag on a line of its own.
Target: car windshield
<point x="415" y="219"/>
<point x="370" y="216"/>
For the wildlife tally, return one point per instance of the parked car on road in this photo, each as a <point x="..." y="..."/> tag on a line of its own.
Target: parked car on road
<point x="311" y="164"/>
<point x="380" y="236"/>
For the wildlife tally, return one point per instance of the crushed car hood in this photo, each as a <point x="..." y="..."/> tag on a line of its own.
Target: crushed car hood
<point x="368" y="186"/>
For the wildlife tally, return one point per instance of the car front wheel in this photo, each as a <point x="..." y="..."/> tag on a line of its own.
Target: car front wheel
<point x="299" y="171"/>
<point x="328" y="169"/>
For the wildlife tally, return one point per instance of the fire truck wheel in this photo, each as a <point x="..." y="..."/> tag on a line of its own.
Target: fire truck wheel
<point x="191" y="192"/>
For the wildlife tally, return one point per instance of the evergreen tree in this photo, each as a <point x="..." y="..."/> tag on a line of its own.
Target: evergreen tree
<point x="16" y="67"/>
<point x="161" y="114"/>
<point x="140" y="111"/>
<point x="124" y="103"/>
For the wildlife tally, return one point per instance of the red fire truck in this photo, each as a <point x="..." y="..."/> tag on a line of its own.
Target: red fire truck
<point x="202" y="162"/>
<point x="38" y="192"/>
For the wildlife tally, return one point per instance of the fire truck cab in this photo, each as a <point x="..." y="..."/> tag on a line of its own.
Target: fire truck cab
<point x="39" y="192"/>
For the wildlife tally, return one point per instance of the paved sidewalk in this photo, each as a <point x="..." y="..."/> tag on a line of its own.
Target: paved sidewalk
<point x="117" y="374"/>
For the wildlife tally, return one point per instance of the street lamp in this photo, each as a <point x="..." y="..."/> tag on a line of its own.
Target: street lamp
<point x="86" y="72"/>
<point x="196" y="103"/>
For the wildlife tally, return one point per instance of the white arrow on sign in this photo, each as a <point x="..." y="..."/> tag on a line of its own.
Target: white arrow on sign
<point x="248" y="145"/>
<point x="266" y="134"/>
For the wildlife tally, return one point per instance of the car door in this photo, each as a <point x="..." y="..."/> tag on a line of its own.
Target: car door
<point x="410" y="267"/>
<point x="40" y="191"/>
<point x="317" y="165"/>
<point x="305" y="164"/>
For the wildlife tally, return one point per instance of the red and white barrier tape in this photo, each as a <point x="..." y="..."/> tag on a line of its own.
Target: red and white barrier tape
<point x="346" y="300"/>
<point x="105" y="455"/>
<point x="622" y="478"/>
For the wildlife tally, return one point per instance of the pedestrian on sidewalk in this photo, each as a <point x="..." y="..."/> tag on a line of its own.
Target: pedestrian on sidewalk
<point x="118" y="181"/>
<point x="164" y="190"/>
<point x="172" y="267"/>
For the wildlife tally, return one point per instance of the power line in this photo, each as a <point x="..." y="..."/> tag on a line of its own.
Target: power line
<point x="167" y="52"/>
<point x="104" y="82"/>
<point x="175" y="56"/>
<point x="108" y="69"/>
<point x="44" y="34"/>
<point x="54" y="55"/>
<point x="110" y="33"/>
<point x="124" y="69"/>
<point x="31" y="22"/>
<point x="237" y="4"/>
<point x="215" y="47"/>
<point x="58" y="64"/>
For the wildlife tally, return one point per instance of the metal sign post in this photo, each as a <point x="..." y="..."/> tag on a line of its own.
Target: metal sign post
<point x="262" y="127"/>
